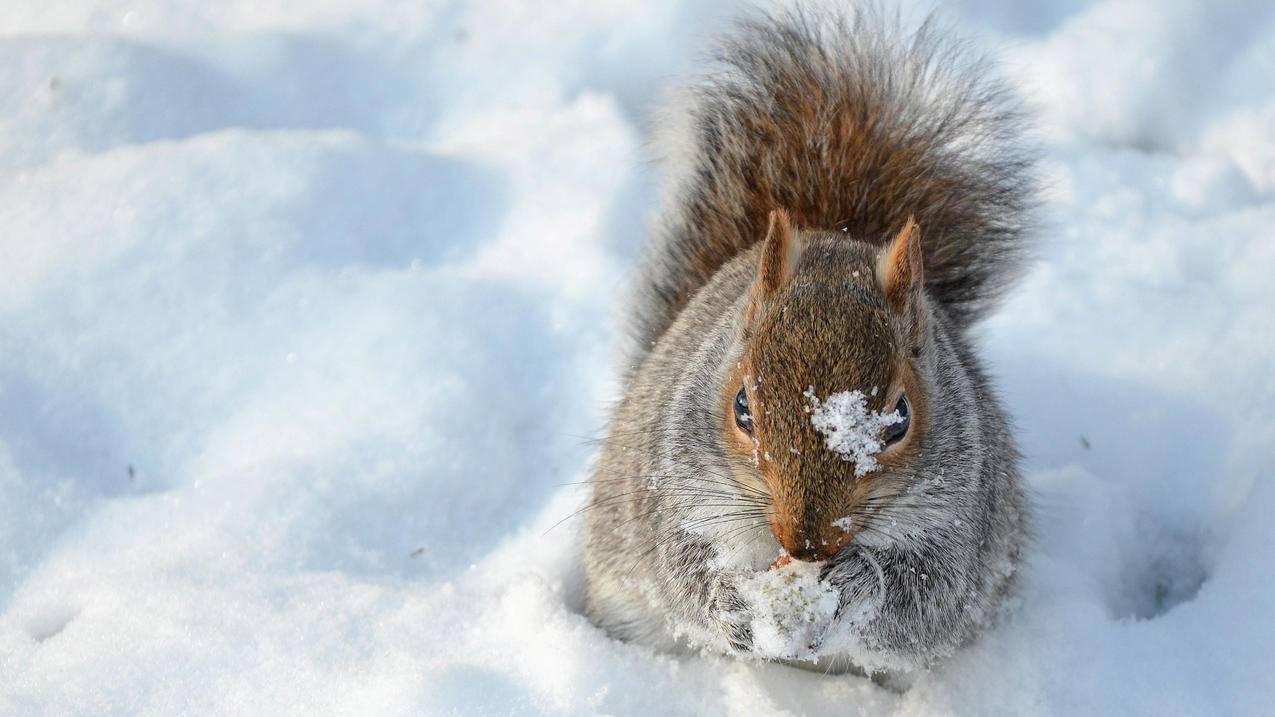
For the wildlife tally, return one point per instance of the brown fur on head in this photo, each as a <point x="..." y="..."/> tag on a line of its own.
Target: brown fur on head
<point x="834" y="314"/>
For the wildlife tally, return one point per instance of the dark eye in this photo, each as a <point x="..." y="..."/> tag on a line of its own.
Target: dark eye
<point x="895" y="433"/>
<point x="743" y="418"/>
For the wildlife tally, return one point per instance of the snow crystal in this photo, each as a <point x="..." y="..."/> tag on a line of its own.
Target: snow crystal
<point x="849" y="428"/>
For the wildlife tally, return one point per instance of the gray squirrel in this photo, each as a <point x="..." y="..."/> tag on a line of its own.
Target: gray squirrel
<point x="808" y="462"/>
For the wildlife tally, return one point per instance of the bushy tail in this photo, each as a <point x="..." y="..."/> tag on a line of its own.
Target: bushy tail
<point x="849" y="123"/>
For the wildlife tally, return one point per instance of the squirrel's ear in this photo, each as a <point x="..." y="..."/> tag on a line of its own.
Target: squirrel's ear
<point x="899" y="267"/>
<point x="779" y="254"/>
<point x="901" y="273"/>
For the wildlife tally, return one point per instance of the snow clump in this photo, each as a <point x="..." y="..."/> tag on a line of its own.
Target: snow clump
<point x="849" y="428"/>
<point x="791" y="609"/>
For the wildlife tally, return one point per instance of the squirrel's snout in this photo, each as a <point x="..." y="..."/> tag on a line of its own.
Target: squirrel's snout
<point x="810" y="552"/>
<point x="805" y="546"/>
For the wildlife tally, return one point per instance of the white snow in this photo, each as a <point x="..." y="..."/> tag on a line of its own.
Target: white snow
<point x="849" y="429"/>
<point x="791" y="609"/>
<point x="308" y="313"/>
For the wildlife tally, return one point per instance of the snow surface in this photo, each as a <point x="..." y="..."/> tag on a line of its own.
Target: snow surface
<point x="849" y="428"/>
<point x="308" y="313"/>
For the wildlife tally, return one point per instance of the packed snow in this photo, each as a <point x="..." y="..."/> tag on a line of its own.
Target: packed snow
<point x="791" y="608"/>
<point x="307" y="329"/>
<point x="850" y="429"/>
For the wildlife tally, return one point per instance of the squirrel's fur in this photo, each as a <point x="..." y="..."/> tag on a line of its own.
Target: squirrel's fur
<point x="856" y="129"/>
<point x="847" y="125"/>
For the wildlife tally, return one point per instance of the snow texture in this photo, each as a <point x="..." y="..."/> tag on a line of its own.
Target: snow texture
<point x="307" y="320"/>
<point x="849" y="428"/>
<point x="791" y="609"/>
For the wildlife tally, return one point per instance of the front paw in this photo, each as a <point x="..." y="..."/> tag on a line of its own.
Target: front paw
<point x="730" y="616"/>
<point x="860" y="584"/>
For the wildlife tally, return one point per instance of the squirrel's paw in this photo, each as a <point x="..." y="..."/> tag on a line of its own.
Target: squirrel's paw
<point x="730" y="615"/>
<point x="860" y="583"/>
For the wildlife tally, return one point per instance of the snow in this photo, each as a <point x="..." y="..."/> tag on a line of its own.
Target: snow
<point x="308" y="322"/>
<point x="848" y="427"/>
<point x="791" y="609"/>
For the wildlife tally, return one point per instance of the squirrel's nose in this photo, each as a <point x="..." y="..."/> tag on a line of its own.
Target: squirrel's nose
<point x="803" y="544"/>
<point x="812" y="551"/>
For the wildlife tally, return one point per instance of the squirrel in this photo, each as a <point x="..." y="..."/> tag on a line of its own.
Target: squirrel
<point x="803" y="396"/>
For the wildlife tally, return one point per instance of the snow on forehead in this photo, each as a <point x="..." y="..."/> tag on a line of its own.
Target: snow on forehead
<point x="849" y="428"/>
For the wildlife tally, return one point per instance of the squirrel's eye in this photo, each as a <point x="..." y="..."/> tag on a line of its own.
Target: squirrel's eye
<point x="895" y="432"/>
<point x="743" y="418"/>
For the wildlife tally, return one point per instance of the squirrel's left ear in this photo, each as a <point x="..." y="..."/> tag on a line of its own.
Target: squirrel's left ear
<point x="901" y="274"/>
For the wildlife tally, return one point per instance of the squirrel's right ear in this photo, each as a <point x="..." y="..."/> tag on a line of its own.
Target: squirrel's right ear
<point x="779" y="254"/>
